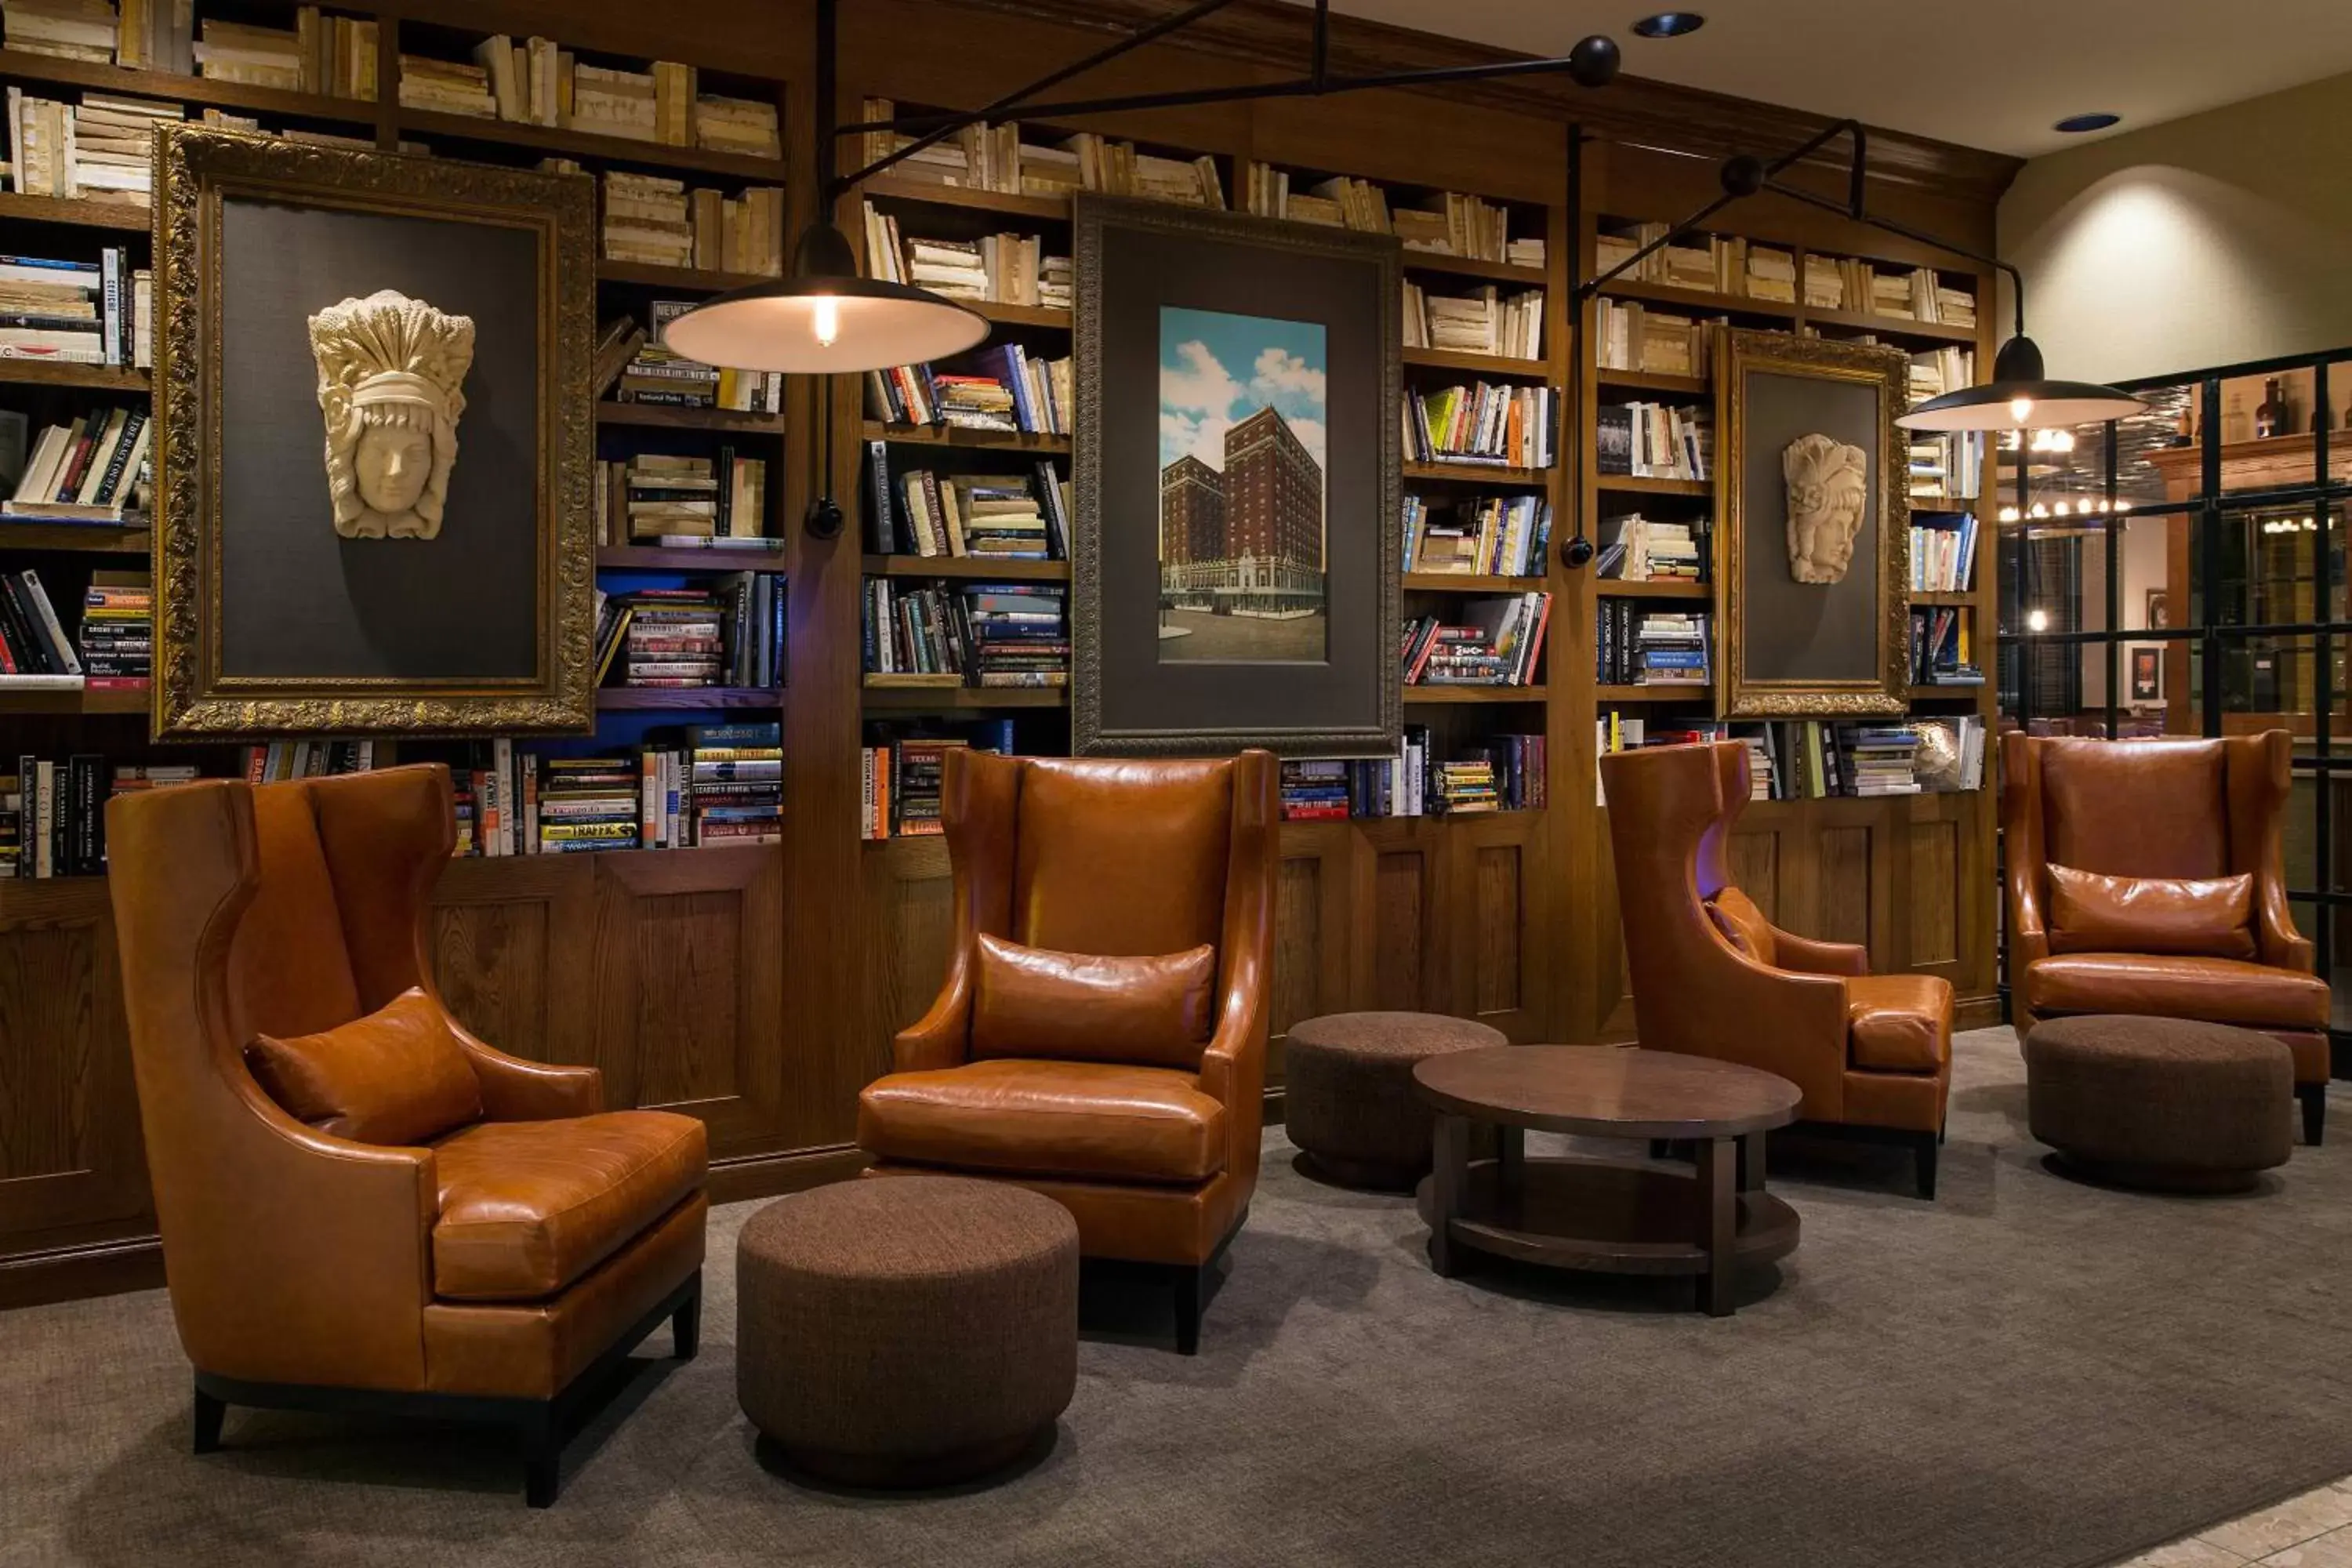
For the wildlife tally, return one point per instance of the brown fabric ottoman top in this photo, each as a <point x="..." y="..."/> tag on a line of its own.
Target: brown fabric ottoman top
<point x="2161" y="1102"/>
<point x="1347" y="1094"/>
<point x="914" y="1331"/>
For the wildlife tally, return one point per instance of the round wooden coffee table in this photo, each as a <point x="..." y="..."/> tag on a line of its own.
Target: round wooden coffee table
<point x="1619" y="1216"/>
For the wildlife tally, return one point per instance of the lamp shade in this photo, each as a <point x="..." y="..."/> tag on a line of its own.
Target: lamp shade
<point x="2020" y="397"/>
<point x="823" y="318"/>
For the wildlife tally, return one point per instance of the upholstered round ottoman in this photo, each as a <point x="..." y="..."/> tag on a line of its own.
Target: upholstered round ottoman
<point x="913" y="1331"/>
<point x="1346" y="1096"/>
<point x="2161" y="1102"/>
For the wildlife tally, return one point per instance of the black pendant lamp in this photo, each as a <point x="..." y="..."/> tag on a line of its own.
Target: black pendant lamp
<point x="2021" y="396"/>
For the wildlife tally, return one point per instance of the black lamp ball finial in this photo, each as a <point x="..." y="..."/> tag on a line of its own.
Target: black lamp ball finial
<point x="1594" y="61"/>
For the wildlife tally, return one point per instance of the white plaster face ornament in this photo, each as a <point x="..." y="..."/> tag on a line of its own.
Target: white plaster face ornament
<point x="390" y="371"/>
<point x="1826" y="491"/>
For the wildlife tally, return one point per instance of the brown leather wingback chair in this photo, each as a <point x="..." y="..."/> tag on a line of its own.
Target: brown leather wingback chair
<point x="480" y="1278"/>
<point x="1712" y="977"/>
<point x="1156" y="1157"/>
<point x="2158" y="832"/>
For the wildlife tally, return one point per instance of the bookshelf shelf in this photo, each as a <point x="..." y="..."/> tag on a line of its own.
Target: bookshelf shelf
<point x="951" y="699"/>
<point x="1685" y="693"/>
<point x="1478" y="364"/>
<point x="1478" y="474"/>
<point x="82" y="212"/>
<point x="642" y="699"/>
<point x="655" y="558"/>
<point x="1892" y="326"/>
<point x="1468" y="583"/>
<point x="661" y="416"/>
<point x="1669" y="588"/>
<point x="589" y="144"/>
<point x="21" y="65"/>
<point x="1965" y="598"/>
<point x="955" y="436"/>
<point x="95" y="539"/>
<point x="1626" y="484"/>
<point x="895" y="188"/>
<point x="15" y="700"/>
<point x="1006" y="315"/>
<point x="688" y="279"/>
<point x="1968" y="694"/>
<point x="966" y="566"/>
<point x="1448" y="694"/>
<point x="50" y="373"/>
<point x="1471" y="266"/>
<point x="1701" y="299"/>
<point x="1655" y="381"/>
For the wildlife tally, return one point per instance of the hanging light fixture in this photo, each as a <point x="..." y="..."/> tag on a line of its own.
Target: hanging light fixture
<point x="2021" y="397"/>
<point x="824" y="318"/>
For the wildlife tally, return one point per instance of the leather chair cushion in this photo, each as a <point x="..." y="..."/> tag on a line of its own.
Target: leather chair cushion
<point x="528" y="1207"/>
<point x="396" y="1077"/>
<point x="1097" y="1120"/>
<point x="1743" y="925"/>
<point x="1035" y="1002"/>
<point x="1899" y="1022"/>
<point x="2090" y="912"/>
<point x="2212" y="990"/>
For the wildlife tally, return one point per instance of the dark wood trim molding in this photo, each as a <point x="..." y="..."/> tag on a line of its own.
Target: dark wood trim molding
<point x="73" y="1273"/>
<point x="772" y="1176"/>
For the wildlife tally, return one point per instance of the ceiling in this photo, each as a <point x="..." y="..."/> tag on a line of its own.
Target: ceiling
<point x="1994" y="74"/>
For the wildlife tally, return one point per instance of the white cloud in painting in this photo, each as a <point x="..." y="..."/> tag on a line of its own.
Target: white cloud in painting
<point x="1203" y="435"/>
<point x="1199" y="381"/>
<point x="1286" y="381"/>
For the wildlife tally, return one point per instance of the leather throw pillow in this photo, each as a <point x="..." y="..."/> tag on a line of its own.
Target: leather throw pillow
<point x="2092" y="912"/>
<point x="396" y="1077"/>
<point x="1034" y="1002"/>
<point x="1744" y="926"/>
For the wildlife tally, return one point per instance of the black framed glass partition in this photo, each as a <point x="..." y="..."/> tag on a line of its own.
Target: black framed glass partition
<point x="2182" y="572"/>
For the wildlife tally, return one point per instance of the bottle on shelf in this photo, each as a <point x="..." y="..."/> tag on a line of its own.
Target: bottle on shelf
<point x="2184" y="429"/>
<point x="2236" y="426"/>
<point x="2270" y="414"/>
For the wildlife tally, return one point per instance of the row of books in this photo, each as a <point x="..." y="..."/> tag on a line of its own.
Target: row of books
<point x="1637" y="549"/>
<point x="633" y="366"/>
<point x="1816" y="759"/>
<point x="116" y="639"/>
<point x="53" y="818"/>
<point x="983" y="157"/>
<point x="1456" y="225"/>
<point x="1654" y="441"/>
<point x="36" y="648"/>
<point x="1629" y="335"/>
<point x="1005" y="390"/>
<point x="1715" y="264"/>
<point x="1000" y="517"/>
<point x="1914" y="293"/>
<point x="319" y="54"/>
<point x="98" y="149"/>
<point x="77" y="312"/>
<point x="1006" y="635"/>
<point x="1508" y="426"/>
<point x="1948" y="467"/>
<point x="1941" y="650"/>
<point x="729" y="632"/>
<point x="87" y="471"/>
<point x="1004" y="268"/>
<point x="900" y="773"/>
<point x="656" y="498"/>
<point x="1495" y="641"/>
<point x="710" y="785"/>
<point x="657" y="221"/>
<point x="537" y="82"/>
<point x="1943" y="551"/>
<point x="1483" y="321"/>
<point x="1505" y="536"/>
<point x="1501" y="773"/>
<point x="1637" y="647"/>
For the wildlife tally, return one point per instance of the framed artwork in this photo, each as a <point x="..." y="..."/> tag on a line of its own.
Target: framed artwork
<point x="2146" y="671"/>
<point x="2159" y="610"/>
<point x="1812" y="550"/>
<point x="373" y="443"/>
<point x="1235" y="552"/>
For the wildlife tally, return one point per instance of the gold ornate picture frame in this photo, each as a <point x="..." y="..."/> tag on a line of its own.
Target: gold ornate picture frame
<point x="1811" y="553"/>
<point x="325" y="557"/>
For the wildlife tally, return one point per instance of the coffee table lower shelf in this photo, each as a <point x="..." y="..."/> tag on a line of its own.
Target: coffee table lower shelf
<point x="1614" y="1217"/>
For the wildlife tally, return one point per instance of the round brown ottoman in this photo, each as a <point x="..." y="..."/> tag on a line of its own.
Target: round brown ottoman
<point x="907" y="1331"/>
<point x="1347" y="1098"/>
<point x="2166" y="1103"/>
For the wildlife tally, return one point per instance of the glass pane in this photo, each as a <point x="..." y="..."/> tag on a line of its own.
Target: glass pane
<point x="2156" y="456"/>
<point x="2152" y="569"/>
<point x="2266" y="424"/>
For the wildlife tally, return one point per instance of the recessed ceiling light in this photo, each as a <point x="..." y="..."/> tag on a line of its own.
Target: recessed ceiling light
<point x="1669" y="25"/>
<point x="2075" y="124"/>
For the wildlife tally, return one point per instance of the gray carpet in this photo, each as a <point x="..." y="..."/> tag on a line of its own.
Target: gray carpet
<point x="2028" y="1371"/>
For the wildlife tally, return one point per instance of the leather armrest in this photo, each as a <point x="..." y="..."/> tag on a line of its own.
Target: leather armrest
<point x="2277" y="941"/>
<point x="515" y="1089"/>
<point x="1804" y="955"/>
<point x="942" y="1036"/>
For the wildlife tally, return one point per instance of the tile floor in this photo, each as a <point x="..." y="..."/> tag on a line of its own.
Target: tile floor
<point x="2313" y="1530"/>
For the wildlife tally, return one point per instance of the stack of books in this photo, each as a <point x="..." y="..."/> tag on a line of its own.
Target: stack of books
<point x="648" y="219"/>
<point x="1637" y="549"/>
<point x="1316" y="789"/>
<point x="655" y="374"/>
<point x="669" y="496"/>
<point x="1771" y="274"/>
<point x="98" y="149"/>
<point x="1669" y="649"/>
<point x="1517" y="763"/>
<point x="319" y="54"/>
<point x="1482" y="322"/>
<point x="737" y="125"/>
<point x="1020" y="635"/>
<point x="1654" y="441"/>
<point x="685" y="502"/>
<point x="672" y="638"/>
<point x="87" y="471"/>
<point x="65" y="29"/>
<point x="116" y="639"/>
<point x="1918" y="294"/>
<point x="1506" y="426"/>
<point x="1002" y="516"/>
<point x="1496" y="535"/>
<point x="1007" y="391"/>
<point x="1459" y="224"/>
<point x="1880" y="759"/>
<point x="537" y="83"/>
<point x="1495" y="642"/>
<point x="608" y="101"/>
<point x="1011" y="635"/>
<point x="1005" y="268"/>
<point x="980" y="157"/>
<point x="1825" y="282"/>
<point x="35" y="650"/>
<point x="1464" y="786"/>
<point x="73" y="312"/>
<point x="586" y="803"/>
<point x="1629" y="335"/>
<point x="735" y="785"/>
<point x="445" y="87"/>
<point x="1943" y="551"/>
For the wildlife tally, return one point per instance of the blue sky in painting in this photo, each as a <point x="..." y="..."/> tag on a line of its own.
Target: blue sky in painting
<point x="1217" y="369"/>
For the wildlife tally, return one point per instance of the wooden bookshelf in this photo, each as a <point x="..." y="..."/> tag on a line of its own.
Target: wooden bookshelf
<point x="1689" y="692"/>
<point x="960" y="698"/>
<point x="1965" y="598"/>
<point x="1701" y="302"/>
<point x="1652" y="588"/>
<point x="82" y="212"/>
<point x="958" y="435"/>
<point x="1509" y="366"/>
<point x="966" y="566"/>
<point x="658" y="558"/>
<point x="641" y="698"/>
<point x="573" y="143"/>
<point x="95" y="539"/>
<point x="1008" y="315"/>
<point x="1655" y="381"/>
<point x="23" y="65"/>
<point x="1457" y="694"/>
<point x="19" y="699"/>
<point x="1478" y="474"/>
<point x="665" y="417"/>
<point x="888" y="188"/>
<point x="1893" y="326"/>
<point x="1437" y="262"/>
<point x="1627" y="484"/>
<point x="685" y="279"/>
<point x="1469" y="582"/>
<point x="124" y="379"/>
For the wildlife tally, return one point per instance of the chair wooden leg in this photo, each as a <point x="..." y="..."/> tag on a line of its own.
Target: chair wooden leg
<point x="208" y="1414"/>
<point x="1188" y="1312"/>
<point x="686" y="1324"/>
<point x="2315" y="1110"/>
<point x="543" y="1457"/>
<point x="1926" y="1147"/>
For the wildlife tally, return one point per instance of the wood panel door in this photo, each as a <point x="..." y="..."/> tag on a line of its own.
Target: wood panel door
<point x="1400" y="942"/>
<point x="1312" y="966"/>
<point x="1501" y="961"/>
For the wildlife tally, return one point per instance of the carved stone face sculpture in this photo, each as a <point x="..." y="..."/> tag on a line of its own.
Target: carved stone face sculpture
<point x="1826" y="491"/>
<point x="390" y="370"/>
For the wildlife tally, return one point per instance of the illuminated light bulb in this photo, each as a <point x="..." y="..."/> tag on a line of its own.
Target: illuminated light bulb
<point x="2040" y="511"/>
<point x="2021" y="410"/>
<point x="2060" y="510"/>
<point x="824" y="319"/>
<point x="2123" y="506"/>
<point x="2037" y="620"/>
<point x="2008" y="514"/>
